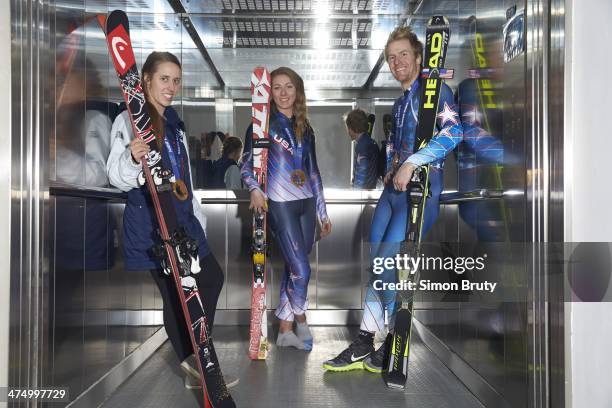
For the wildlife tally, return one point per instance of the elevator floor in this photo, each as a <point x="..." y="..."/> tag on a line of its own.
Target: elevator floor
<point x="293" y="378"/>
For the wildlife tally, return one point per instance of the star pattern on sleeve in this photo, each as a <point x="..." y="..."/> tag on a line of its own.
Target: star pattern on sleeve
<point x="447" y="115"/>
<point x="445" y="132"/>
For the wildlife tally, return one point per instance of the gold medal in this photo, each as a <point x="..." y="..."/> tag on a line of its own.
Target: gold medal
<point x="180" y="190"/>
<point x="298" y="178"/>
<point x="395" y="161"/>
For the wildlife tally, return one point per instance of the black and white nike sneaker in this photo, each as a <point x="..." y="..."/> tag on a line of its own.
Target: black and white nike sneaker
<point x="377" y="361"/>
<point x="351" y="358"/>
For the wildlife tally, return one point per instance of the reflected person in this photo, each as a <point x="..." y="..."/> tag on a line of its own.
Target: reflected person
<point x="79" y="151"/>
<point x="403" y="53"/>
<point x="161" y="74"/>
<point x="294" y="199"/>
<point x="481" y="156"/>
<point x="365" y="155"/>
<point x="225" y="170"/>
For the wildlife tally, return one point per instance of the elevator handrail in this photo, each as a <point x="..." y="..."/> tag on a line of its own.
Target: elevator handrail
<point x="446" y="198"/>
<point x="70" y="190"/>
<point x="107" y="193"/>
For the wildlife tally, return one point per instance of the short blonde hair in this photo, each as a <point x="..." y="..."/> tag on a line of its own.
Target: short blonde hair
<point x="405" y="33"/>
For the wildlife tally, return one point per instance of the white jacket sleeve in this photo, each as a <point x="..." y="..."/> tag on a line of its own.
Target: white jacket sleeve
<point x="97" y="146"/>
<point x="122" y="171"/>
<point x="88" y="169"/>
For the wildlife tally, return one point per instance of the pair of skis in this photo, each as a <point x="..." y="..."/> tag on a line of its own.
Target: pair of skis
<point x="177" y="252"/>
<point x="437" y="37"/>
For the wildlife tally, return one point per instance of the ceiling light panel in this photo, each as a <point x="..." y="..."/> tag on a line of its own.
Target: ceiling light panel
<point x="319" y="68"/>
<point x="130" y="6"/>
<point x="158" y="32"/>
<point x="296" y="6"/>
<point x="308" y="33"/>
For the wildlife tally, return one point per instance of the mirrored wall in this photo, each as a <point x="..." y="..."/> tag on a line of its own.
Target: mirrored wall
<point x="99" y="313"/>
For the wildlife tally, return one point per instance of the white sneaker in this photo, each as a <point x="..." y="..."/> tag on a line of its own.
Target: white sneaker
<point x="189" y="367"/>
<point x="192" y="375"/>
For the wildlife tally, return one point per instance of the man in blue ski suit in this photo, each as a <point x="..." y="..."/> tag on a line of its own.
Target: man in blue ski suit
<point x="403" y="53"/>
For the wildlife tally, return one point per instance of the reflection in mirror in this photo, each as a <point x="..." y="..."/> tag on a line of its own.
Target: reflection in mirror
<point x="225" y="170"/>
<point x="480" y="157"/>
<point x="211" y="154"/>
<point x="359" y="126"/>
<point x="333" y="147"/>
<point x="81" y="144"/>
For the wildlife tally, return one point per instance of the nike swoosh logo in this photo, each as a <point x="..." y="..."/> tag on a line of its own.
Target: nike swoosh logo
<point x="353" y="358"/>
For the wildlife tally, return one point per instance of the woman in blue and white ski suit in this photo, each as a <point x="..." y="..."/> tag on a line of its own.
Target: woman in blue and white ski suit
<point x="294" y="199"/>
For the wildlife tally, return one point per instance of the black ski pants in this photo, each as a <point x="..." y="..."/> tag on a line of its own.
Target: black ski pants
<point x="209" y="281"/>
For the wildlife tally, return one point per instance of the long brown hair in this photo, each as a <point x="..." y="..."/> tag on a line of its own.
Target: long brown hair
<point x="300" y="111"/>
<point x="148" y="69"/>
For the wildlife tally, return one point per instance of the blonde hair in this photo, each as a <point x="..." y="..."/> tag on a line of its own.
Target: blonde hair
<point x="405" y="33"/>
<point x="300" y="111"/>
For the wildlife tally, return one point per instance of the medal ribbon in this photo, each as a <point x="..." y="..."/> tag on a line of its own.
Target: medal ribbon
<point x="297" y="149"/>
<point x="173" y="158"/>
<point x="399" y="118"/>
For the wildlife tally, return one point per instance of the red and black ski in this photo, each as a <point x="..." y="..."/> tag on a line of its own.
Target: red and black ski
<point x="436" y="43"/>
<point x="177" y="252"/>
<point x="260" y="112"/>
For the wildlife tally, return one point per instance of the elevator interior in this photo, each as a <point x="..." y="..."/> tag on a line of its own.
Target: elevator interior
<point x="90" y="314"/>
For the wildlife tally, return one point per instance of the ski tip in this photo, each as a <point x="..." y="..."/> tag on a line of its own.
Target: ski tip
<point x="117" y="12"/>
<point x="438" y="21"/>
<point x="102" y="21"/>
<point x="261" y="71"/>
<point x="395" y="381"/>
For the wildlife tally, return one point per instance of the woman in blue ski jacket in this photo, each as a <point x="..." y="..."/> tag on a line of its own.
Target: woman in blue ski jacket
<point x="161" y="74"/>
<point x="294" y="199"/>
<point x="403" y="53"/>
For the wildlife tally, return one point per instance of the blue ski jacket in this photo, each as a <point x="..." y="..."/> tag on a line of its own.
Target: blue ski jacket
<point x="218" y="172"/>
<point x="139" y="223"/>
<point x="365" y="162"/>
<point x="449" y="131"/>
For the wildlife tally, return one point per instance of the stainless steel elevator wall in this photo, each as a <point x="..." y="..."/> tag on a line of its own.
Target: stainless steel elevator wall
<point x="491" y="338"/>
<point x="93" y="313"/>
